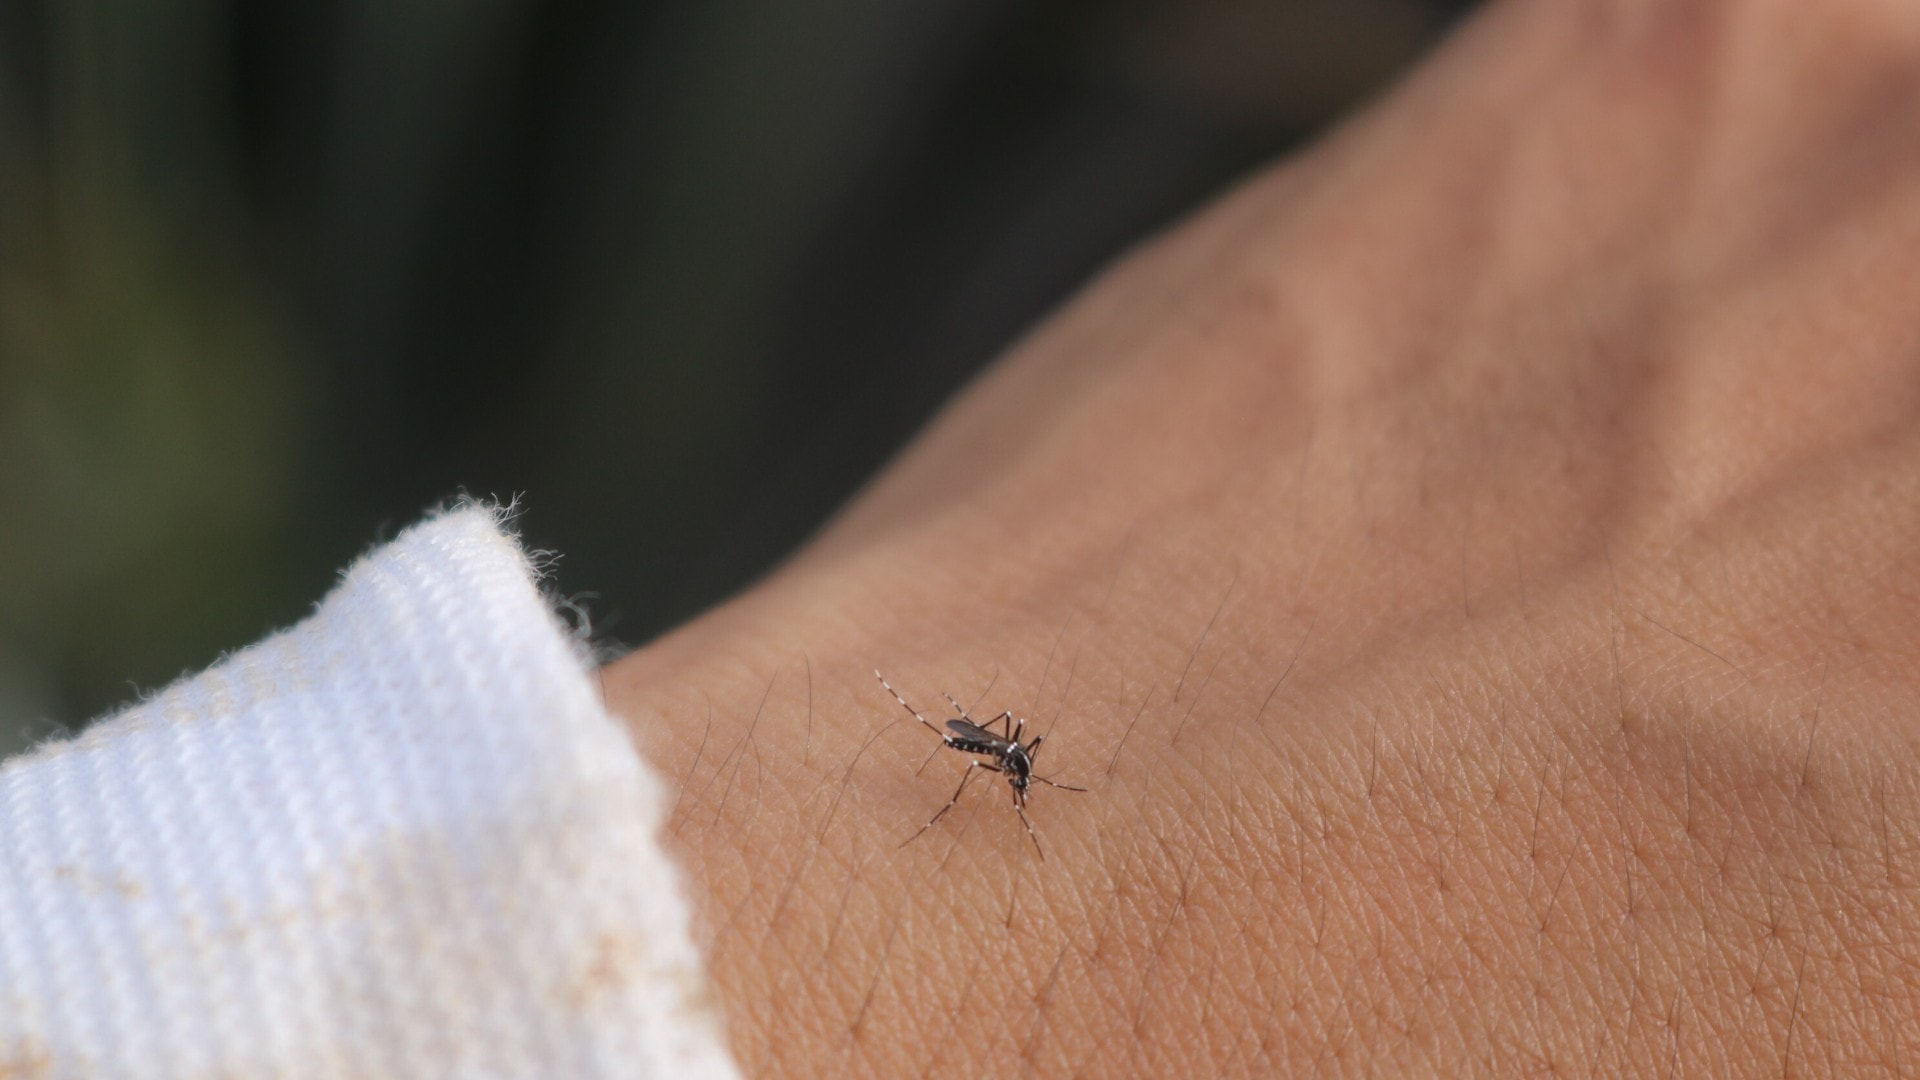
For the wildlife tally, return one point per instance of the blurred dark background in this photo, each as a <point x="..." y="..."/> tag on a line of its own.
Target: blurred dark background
<point x="274" y="278"/>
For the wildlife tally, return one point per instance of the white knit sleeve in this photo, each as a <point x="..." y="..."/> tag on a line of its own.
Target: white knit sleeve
<point x="400" y="839"/>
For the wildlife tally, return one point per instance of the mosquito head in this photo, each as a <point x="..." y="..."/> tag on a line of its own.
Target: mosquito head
<point x="1017" y="763"/>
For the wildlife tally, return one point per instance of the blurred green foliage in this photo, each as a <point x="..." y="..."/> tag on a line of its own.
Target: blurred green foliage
<point x="147" y="395"/>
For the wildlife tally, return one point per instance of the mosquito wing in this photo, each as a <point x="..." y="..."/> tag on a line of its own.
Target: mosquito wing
<point x="973" y="732"/>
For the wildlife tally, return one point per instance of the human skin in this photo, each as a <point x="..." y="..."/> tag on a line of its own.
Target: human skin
<point x="1472" y="568"/>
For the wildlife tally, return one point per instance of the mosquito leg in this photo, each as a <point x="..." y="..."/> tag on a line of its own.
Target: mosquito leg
<point x="915" y="713"/>
<point x="1053" y="783"/>
<point x="1020" y="809"/>
<point x="937" y="747"/>
<point x="988" y="726"/>
<point x="965" y="778"/>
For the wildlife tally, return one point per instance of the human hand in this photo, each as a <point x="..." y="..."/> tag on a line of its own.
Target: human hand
<point x="1470" y="568"/>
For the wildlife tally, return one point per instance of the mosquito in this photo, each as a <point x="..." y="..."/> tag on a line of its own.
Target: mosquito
<point x="1004" y="753"/>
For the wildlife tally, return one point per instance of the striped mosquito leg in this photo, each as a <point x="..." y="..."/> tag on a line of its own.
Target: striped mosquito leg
<point x="965" y="778"/>
<point x="1019" y="807"/>
<point x="988" y="726"/>
<point x="1009" y="718"/>
<point x="915" y="713"/>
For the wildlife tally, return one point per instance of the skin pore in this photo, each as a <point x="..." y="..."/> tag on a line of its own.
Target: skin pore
<point x="1470" y="566"/>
